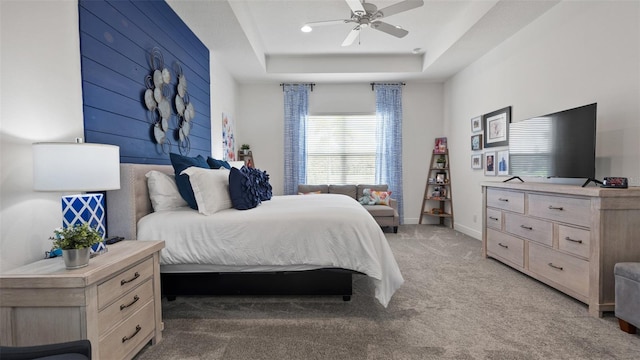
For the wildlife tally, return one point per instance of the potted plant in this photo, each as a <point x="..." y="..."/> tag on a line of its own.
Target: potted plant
<point x="75" y="243"/>
<point x="441" y="163"/>
<point x="245" y="149"/>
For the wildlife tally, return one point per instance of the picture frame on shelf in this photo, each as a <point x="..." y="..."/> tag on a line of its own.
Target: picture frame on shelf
<point x="476" y="142"/>
<point x="476" y="124"/>
<point x="496" y="127"/>
<point x="441" y="178"/>
<point x="489" y="163"/>
<point x="440" y="146"/>
<point x="476" y="161"/>
<point x="502" y="162"/>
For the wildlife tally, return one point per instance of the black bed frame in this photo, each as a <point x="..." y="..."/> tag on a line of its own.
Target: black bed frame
<point x="332" y="281"/>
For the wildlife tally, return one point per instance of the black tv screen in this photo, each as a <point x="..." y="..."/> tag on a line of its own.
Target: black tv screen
<point x="562" y="144"/>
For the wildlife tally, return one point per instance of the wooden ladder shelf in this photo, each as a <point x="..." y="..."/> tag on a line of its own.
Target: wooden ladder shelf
<point x="437" y="191"/>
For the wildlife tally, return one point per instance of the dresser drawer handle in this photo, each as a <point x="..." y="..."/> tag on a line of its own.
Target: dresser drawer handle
<point x="135" y="300"/>
<point x="127" y="338"/>
<point x="573" y="240"/>
<point x="551" y="207"/>
<point x="503" y="199"/>
<point x="493" y="218"/>
<point x="135" y="276"/>
<point x="526" y="227"/>
<point x="555" y="267"/>
<point x="503" y="245"/>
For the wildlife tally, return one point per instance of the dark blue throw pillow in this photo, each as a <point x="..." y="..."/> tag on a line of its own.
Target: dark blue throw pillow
<point x="217" y="164"/>
<point x="242" y="190"/>
<point x="261" y="181"/>
<point x="180" y="163"/>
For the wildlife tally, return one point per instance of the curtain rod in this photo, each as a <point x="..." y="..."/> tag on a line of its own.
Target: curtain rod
<point x="310" y="84"/>
<point x="374" y="84"/>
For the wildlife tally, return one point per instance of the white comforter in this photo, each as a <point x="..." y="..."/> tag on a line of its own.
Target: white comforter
<point x="325" y="230"/>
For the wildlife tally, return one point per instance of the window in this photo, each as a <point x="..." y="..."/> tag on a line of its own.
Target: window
<point x="341" y="149"/>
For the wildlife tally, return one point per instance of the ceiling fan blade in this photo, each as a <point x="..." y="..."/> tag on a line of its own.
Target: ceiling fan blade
<point x="389" y="29"/>
<point x="400" y="7"/>
<point x="356" y="7"/>
<point x="328" y="22"/>
<point x="352" y="36"/>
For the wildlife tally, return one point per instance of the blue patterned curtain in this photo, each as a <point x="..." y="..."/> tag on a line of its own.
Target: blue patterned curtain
<point x="389" y="134"/>
<point x="296" y="112"/>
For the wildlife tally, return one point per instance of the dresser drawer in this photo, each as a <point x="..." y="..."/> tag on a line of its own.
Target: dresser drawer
<point x="559" y="208"/>
<point x="130" y="334"/>
<point x="506" y="200"/>
<point x="533" y="229"/>
<point x="494" y="219"/>
<point x="573" y="240"/>
<point x="123" y="282"/>
<point x="506" y="247"/>
<point x="566" y="270"/>
<point x="125" y="306"/>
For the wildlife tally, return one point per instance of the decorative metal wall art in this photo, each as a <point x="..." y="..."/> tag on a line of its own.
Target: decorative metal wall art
<point x="156" y="99"/>
<point x="185" y="111"/>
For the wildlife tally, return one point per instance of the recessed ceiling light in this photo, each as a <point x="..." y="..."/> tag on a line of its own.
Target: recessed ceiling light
<point x="306" y="28"/>
<point x="416" y="50"/>
<point x="398" y="27"/>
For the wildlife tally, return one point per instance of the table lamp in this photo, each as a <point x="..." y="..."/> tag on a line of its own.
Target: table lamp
<point x="66" y="167"/>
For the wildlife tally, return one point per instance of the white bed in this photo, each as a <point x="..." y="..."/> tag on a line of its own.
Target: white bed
<point x="286" y="233"/>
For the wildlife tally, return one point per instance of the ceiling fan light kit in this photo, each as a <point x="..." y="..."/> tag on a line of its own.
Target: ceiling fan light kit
<point x="367" y="15"/>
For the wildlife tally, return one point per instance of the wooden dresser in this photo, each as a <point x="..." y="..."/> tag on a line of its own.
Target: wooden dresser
<point x="114" y="301"/>
<point x="566" y="236"/>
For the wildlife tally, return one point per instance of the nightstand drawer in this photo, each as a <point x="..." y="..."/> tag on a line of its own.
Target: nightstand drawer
<point x="494" y="219"/>
<point x="559" y="208"/>
<point x="125" y="306"/>
<point x="129" y="335"/>
<point x="533" y="229"/>
<point x="506" y="200"/>
<point x="123" y="282"/>
<point x="566" y="270"/>
<point x="506" y="247"/>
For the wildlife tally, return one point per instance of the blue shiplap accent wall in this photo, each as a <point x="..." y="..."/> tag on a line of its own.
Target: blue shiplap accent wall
<point x="116" y="39"/>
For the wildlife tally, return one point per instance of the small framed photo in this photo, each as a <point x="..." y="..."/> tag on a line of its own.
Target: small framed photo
<point x="440" y="146"/>
<point x="496" y="127"/>
<point x="476" y="142"/>
<point x="489" y="163"/>
<point x="476" y="124"/>
<point x="476" y="161"/>
<point x="441" y="178"/>
<point x="502" y="158"/>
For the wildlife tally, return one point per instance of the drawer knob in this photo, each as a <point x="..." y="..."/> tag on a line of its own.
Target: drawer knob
<point x="551" y="207"/>
<point x="503" y="245"/>
<point x="555" y="267"/>
<point x="135" y="300"/>
<point x="503" y="199"/>
<point x="135" y="276"/>
<point x="526" y="227"/>
<point x="573" y="240"/>
<point x="127" y="338"/>
<point x="493" y="218"/>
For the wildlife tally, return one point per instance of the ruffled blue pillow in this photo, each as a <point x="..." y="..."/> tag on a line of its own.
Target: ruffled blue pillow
<point x="217" y="164"/>
<point x="180" y="163"/>
<point x="261" y="180"/>
<point x="242" y="189"/>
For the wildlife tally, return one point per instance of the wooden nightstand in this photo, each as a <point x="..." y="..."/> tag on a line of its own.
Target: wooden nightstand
<point x="114" y="302"/>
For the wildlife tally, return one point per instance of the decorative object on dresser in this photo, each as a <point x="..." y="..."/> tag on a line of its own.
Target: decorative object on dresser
<point x="438" y="188"/>
<point x="496" y="127"/>
<point x="78" y="167"/>
<point x="114" y="302"/>
<point x="568" y="237"/>
<point x="75" y="242"/>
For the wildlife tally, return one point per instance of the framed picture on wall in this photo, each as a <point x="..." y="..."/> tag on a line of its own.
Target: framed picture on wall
<point x="489" y="163"/>
<point x="476" y="161"/>
<point x="502" y="160"/>
<point x="476" y="142"/>
<point x="496" y="127"/>
<point x="476" y="124"/>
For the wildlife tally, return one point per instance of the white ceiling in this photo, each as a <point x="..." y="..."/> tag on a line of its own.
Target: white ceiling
<point x="260" y="40"/>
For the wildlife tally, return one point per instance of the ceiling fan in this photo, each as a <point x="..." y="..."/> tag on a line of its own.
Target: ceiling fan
<point x="367" y="15"/>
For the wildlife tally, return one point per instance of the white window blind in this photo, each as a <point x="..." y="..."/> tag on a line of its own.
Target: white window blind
<point x="341" y="149"/>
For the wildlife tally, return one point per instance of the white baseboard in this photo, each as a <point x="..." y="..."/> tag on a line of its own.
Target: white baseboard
<point x="469" y="231"/>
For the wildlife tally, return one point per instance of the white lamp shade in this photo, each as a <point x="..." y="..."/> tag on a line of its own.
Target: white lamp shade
<point x="75" y="167"/>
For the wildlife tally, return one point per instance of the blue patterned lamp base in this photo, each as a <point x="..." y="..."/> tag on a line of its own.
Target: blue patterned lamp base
<point x="85" y="208"/>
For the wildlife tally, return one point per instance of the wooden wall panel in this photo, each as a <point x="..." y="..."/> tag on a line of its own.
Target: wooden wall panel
<point x="116" y="40"/>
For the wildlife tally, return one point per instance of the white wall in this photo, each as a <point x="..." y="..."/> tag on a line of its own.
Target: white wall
<point x="42" y="101"/>
<point x="260" y="123"/>
<point x="575" y="54"/>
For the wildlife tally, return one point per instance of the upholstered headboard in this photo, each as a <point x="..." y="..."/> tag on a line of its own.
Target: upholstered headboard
<point x="129" y="204"/>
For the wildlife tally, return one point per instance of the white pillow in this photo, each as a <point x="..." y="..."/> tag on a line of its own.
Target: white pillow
<point x="163" y="191"/>
<point x="211" y="189"/>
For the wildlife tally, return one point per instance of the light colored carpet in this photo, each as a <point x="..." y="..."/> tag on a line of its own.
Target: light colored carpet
<point x="454" y="305"/>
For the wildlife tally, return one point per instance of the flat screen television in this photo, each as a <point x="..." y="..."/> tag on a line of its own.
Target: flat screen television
<point x="558" y="145"/>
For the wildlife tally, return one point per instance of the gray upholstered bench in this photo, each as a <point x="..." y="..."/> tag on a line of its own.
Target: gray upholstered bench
<point x="627" y="278"/>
